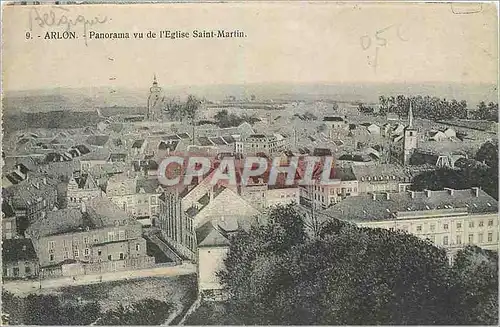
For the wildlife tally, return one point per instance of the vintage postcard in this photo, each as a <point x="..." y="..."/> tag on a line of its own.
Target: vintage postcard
<point x="250" y="163"/>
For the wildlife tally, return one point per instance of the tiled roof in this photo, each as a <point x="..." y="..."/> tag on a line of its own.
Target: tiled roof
<point x="15" y="250"/>
<point x="103" y="212"/>
<point x="98" y="140"/>
<point x="380" y="170"/>
<point x="59" y="222"/>
<point x="365" y="208"/>
<point x="149" y="185"/>
<point x="137" y="144"/>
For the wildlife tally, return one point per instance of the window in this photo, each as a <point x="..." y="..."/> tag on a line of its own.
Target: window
<point x="471" y="238"/>
<point x="433" y="227"/>
<point x="8" y="225"/>
<point x="86" y="240"/>
<point x="481" y="223"/>
<point x="16" y="271"/>
<point x="490" y="237"/>
<point x="137" y="247"/>
<point x="87" y="251"/>
<point x="445" y="226"/>
<point x="121" y="235"/>
<point x="111" y="236"/>
<point x="419" y="228"/>
<point x="490" y="222"/>
<point x="459" y="225"/>
<point x="121" y="256"/>
<point x="76" y="253"/>
<point x="480" y="238"/>
<point x="27" y="270"/>
<point x="471" y="224"/>
<point x="52" y="245"/>
<point x="110" y="257"/>
<point x="99" y="252"/>
<point x="459" y="239"/>
<point x="66" y="255"/>
<point x="445" y="240"/>
<point x="51" y="257"/>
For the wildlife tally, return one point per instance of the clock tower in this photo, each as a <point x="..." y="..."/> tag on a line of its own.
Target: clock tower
<point x="154" y="101"/>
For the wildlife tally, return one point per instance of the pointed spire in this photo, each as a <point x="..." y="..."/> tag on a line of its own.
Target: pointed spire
<point x="410" y="116"/>
<point x="155" y="82"/>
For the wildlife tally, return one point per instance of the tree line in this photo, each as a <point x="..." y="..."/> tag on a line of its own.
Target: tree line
<point x="486" y="111"/>
<point x="279" y="274"/>
<point x="423" y="106"/>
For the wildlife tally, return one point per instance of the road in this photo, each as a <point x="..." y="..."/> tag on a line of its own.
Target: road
<point x="32" y="286"/>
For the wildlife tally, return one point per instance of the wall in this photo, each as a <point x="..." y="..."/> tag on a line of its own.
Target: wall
<point x="210" y="261"/>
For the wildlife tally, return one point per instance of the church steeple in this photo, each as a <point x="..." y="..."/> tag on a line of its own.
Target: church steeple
<point x="154" y="102"/>
<point x="410" y="116"/>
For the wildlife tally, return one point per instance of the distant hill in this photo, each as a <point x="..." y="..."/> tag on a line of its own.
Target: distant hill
<point x="53" y="119"/>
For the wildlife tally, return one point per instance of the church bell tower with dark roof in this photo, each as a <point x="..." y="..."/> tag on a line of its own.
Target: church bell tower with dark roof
<point x="154" y="101"/>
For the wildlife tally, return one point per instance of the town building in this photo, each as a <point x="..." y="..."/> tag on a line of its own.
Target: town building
<point x="343" y="184"/>
<point x="97" y="238"/>
<point x="9" y="221"/>
<point x="183" y="211"/>
<point x="81" y="188"/>
<point x="19" y="259"/>
<point x="213" y="247"/>
<point x="261" y="143"/>
<point x="381" y="178"/>
<point x="135" y="194"/>
<point x="448" y="218"/>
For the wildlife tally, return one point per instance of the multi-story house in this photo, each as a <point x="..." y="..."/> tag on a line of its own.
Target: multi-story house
<point x="19" y="259"/>
<point x="260" y="143"/>
<point x="449" y="218"/>
<point x="343" y="185"/>
<point x="100" y="237"/>
<point x="31" y="199"/>
<point x="9" y="221"/>
<point x="134" y="194"/>
<point x="81" y="188"/>
<point x="182" y="212"/>
<point x="381" y="178"/>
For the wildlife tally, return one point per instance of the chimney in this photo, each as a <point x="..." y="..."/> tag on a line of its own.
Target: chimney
<point x="374" y="196"/>
<point x="450" y="190"/>
<point x="475" y="190"/>
<point x="428" y="193"/>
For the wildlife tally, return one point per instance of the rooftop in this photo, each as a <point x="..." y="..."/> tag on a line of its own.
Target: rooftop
<point x="15" y="250"/>
<point x="385" y="206"/>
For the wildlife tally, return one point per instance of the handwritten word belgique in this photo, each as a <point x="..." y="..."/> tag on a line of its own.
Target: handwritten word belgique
<point x="59" y="17"/>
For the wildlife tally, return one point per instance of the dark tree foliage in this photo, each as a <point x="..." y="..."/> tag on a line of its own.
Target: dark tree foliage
<point x="47" y="310"/>
<point x="175" y="109"/>
<point x="482" y="172"/>
<point x="476" y="274"/>
<point x="224" y="119"/>
<point x="365" y="109"/>
<point x="145" y="312"/>
<point x="486" y="111"/>
<point x="347" y="275"/>
<point x="425" y="107"/>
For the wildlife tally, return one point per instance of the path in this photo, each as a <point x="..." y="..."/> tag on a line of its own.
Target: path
<point x="31" y="286"/>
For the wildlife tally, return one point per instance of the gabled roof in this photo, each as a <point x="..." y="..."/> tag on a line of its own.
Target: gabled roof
<point x="15" y="250"/>
<point x="137" y="144"/>
<point x="208" y="236"/>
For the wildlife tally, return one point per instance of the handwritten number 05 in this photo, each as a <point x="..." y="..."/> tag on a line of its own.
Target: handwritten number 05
<point x="366" y="40"/>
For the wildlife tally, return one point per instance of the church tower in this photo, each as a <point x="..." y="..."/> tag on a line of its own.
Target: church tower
<point x="154" y="101"/>
<point x="410" y="138"/>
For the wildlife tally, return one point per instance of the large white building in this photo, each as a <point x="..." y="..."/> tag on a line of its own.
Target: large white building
<point x="449" y="218"/>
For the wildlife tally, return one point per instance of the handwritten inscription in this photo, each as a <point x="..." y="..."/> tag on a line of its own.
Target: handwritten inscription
<point x="379" y="39"/>
<point x="60" y="17"/>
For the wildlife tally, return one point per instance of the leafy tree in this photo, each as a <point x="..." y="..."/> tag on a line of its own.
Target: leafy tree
<point x="476" y="276"/>
<point x="488" y="153"/>
<point x="145" y="312"/>
<point x="47" y="310"/>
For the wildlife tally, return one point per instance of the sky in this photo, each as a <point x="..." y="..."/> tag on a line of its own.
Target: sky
<point x="294" y="42"/>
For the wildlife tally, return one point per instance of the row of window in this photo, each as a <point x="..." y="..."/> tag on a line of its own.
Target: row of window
<point x="86" y="240"/>
<point x="471" y="239"/>
<point x="86" y="252"/>
<point x="432" y="227"/>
